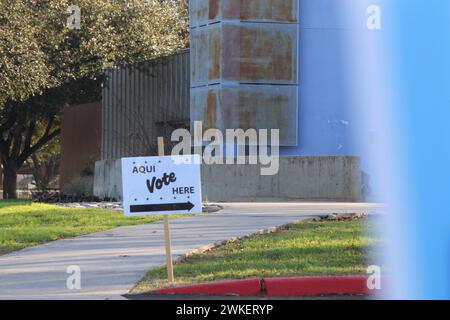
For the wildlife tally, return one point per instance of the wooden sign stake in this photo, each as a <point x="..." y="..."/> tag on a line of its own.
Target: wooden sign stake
<point x="167" y="237"/>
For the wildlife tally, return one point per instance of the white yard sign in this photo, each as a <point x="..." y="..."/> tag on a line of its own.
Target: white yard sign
<point x="161" y="185"/>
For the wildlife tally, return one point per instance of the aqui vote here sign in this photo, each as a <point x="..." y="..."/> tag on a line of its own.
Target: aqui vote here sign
<point x="161" y="185"/>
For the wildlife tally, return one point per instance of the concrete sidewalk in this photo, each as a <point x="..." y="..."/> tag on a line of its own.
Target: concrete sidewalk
<point x="113" y="261"/>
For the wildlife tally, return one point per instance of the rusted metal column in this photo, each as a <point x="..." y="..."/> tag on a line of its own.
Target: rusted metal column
<point x="244" y="58"/>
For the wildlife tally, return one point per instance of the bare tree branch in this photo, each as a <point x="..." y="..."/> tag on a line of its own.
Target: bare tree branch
<point x="47" y="137"/>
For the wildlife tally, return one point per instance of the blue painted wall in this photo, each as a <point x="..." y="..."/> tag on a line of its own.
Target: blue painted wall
<point x="328" y="124"/>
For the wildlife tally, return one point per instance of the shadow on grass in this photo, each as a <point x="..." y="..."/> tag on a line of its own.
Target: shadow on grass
<point x="14" y="203"/>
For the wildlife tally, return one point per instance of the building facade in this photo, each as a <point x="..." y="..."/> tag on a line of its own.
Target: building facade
<point x="260" y="64"/>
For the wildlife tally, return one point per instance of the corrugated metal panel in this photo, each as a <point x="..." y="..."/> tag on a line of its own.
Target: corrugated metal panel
<point x="143" y="101"/>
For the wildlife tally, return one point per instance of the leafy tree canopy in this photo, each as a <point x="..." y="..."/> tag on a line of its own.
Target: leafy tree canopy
<point x="38" y="50"/>
<point x="53" y="53"/>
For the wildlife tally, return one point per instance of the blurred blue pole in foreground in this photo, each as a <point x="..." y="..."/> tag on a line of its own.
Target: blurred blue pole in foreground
<point x="401" y="89"/>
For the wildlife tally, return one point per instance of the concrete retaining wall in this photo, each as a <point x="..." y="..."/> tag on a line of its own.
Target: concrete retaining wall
<point x="299" y="179"/>
<point x="108" y="179"/>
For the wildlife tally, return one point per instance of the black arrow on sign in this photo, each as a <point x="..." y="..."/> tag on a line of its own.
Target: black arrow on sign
<point x="187" y="206"/>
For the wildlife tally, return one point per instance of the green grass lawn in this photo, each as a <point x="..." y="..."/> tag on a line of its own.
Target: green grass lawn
<point x="311" y="248"/>
<point x="24" y="224"/>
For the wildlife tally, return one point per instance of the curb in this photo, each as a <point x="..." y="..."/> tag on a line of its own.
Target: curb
<point x="276" y="287"/>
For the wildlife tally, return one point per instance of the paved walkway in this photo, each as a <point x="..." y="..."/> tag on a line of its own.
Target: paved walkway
<point x="113" y="261"/>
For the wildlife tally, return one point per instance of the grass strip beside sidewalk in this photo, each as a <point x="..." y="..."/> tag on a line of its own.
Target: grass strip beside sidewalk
<point x="25" y="224"/>
<point x="310" y="248"/>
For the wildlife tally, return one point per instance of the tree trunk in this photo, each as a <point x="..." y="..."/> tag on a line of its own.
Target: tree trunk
<point x="9" y="181"/>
